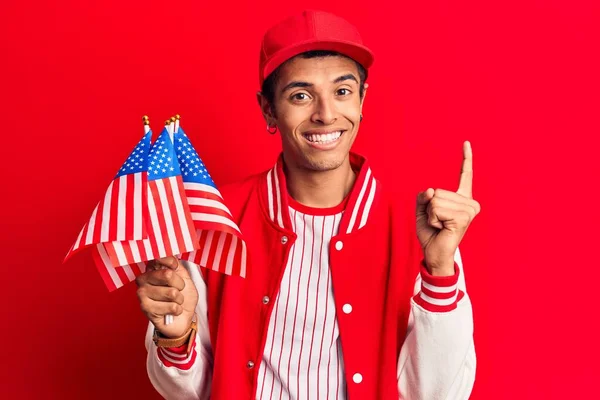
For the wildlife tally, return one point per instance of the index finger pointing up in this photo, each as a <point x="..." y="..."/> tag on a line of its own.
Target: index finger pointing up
<point x="465" y="186"/>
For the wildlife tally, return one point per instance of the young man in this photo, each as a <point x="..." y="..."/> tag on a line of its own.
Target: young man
<point x="346" y="297"/>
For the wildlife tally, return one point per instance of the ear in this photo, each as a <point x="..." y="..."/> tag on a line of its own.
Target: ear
<point x="265" y="108"/>
<point x="364" y="96"/>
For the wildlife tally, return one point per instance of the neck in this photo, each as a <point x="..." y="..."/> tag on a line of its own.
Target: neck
<point x="319" y="189"/>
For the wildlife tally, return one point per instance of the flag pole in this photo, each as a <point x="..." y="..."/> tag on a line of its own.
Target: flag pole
<point x="177" y="118"/>
<point x="172" y="129"/>
<point x="170" y="124"/>
<point x="173" y="126"/>
<point x="146" y="122"/>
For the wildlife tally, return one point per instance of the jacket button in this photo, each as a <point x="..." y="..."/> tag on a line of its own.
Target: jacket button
<point x="339" y="245"/>
<point x="284" y="239"/>
<point x="347" y="308"/>
<point x="250" y="364"/>
<point x="265" y="300"/>
<point x="357" y="378"/>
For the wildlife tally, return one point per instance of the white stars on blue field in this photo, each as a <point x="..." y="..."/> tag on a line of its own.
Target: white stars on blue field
<point x="162" y="161"/>
<point x="192" y="167"/>
<point x="138" y="159"/>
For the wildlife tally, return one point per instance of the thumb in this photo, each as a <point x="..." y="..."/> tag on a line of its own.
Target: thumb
<point x="170" y="262"/>
<point x="423" y="198"/>
<point x="424" y="230"/>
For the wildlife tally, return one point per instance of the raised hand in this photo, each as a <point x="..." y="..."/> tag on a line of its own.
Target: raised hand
<point x="167" y="288"/>
<point x="443" y="218"/>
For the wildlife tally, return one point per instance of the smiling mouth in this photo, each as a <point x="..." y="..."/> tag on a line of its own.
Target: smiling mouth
<point x="324" y="138"/>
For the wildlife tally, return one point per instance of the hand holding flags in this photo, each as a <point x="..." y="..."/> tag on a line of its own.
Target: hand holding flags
<point x="161" y="203"/>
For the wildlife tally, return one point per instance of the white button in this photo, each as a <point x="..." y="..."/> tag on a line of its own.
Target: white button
<point x="266" y="300"/>
<point x="357" y="378"/>
<point x="284" y="239"/>
<point x="339" y="245"/>
<point x="250" y="364"/>
<point x="347" y="308"/>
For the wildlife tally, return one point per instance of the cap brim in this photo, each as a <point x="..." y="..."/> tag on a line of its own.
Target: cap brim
<point x="359" y="53"/>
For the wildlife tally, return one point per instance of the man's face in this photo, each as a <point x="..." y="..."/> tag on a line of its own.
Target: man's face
<point x="318" y="108"/>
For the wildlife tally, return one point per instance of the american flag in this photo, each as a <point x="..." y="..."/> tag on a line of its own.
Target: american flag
<point x="168" y="227"/>
<point x="167" y="203"/>
<point x="121" y="215"/>
<point x="221" y="246"/>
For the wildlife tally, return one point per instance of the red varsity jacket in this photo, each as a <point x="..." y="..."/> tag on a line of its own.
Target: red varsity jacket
<point x="408" y="335"/>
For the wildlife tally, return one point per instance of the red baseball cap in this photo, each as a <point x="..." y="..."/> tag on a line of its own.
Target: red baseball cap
<point x="311" y="30"/>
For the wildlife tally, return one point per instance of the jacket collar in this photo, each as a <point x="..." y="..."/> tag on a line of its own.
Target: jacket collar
<point x="360" y="201"/>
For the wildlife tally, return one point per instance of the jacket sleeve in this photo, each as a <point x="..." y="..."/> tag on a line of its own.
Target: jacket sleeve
<point x="174" y="375"/>
<point x="437" y="359"/>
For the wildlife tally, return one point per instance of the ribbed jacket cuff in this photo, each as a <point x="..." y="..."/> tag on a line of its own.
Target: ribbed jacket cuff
<point x="438" y="293"/>
<point x="176" y="357"/>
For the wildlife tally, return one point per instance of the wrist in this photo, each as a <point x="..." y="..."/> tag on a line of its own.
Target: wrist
<point x="171" y="332"/>
<point x="162" y="340"/>
<point x="440" y="269"/>
<point x="175" y="329"/>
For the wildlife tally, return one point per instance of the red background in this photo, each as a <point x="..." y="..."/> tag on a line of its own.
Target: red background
<point x="519" y="79"/>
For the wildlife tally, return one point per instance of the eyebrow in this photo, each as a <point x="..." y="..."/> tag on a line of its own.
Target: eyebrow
<point x="300" y="84"/>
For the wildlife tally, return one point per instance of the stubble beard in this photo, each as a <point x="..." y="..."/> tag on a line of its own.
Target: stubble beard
<point x="323" y="165"/>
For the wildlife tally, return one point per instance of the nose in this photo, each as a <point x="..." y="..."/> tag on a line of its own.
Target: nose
<point x="324" y="112"/>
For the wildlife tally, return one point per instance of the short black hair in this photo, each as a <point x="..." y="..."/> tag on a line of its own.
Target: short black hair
<point x="269" y="84"/>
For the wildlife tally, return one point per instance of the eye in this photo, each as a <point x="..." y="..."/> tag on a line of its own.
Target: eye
<point x="343" y="92"/>
<point x="301" y="96"/>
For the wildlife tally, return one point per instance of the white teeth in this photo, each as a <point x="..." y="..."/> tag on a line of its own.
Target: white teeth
<point x="325" y="138"/>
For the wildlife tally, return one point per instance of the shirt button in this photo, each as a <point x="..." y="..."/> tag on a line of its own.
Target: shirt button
<point x="347" y="308"/>
<point x="339" y="245"/>
<point x="265" y="300"/>
<point x="284" y="239"/>
<point x="357" y="378"/>
<point x="250" y="364"/>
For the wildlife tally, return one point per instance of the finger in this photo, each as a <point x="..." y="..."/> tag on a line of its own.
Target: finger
<point x="169" y="262"/>
<point x="465" y="186"/>
<point x="165" y="277"/>
<point x="423" y="198"/>
<point x="444" y="204"/>
<point x="158" y="309"/>
<point x="439" y="210"/>
<point x="449" y="219"/>
<point x="164" y="293"/>
<point x="447" y="194"/>
<point x="432" y="218"/>
<point x="457" y="198"/>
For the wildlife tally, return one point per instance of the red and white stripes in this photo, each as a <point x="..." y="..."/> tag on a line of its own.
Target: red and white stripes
<point x="221" y="247"/>
<point x="274" y="195"/>
<point x="359" y="210"/>
<point x="171" y="222"/>
<point x="115" y="277"/>
<point x="302" y="354"/>
<point x="362" y="207"/>
<point x="119" y="215"/>
<point x="220" y="251"/>
<point x="170" y="231"/>
<point x="439" y="293"/>
<point x="176" y="356"/>
<point x="207" y="208"/>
